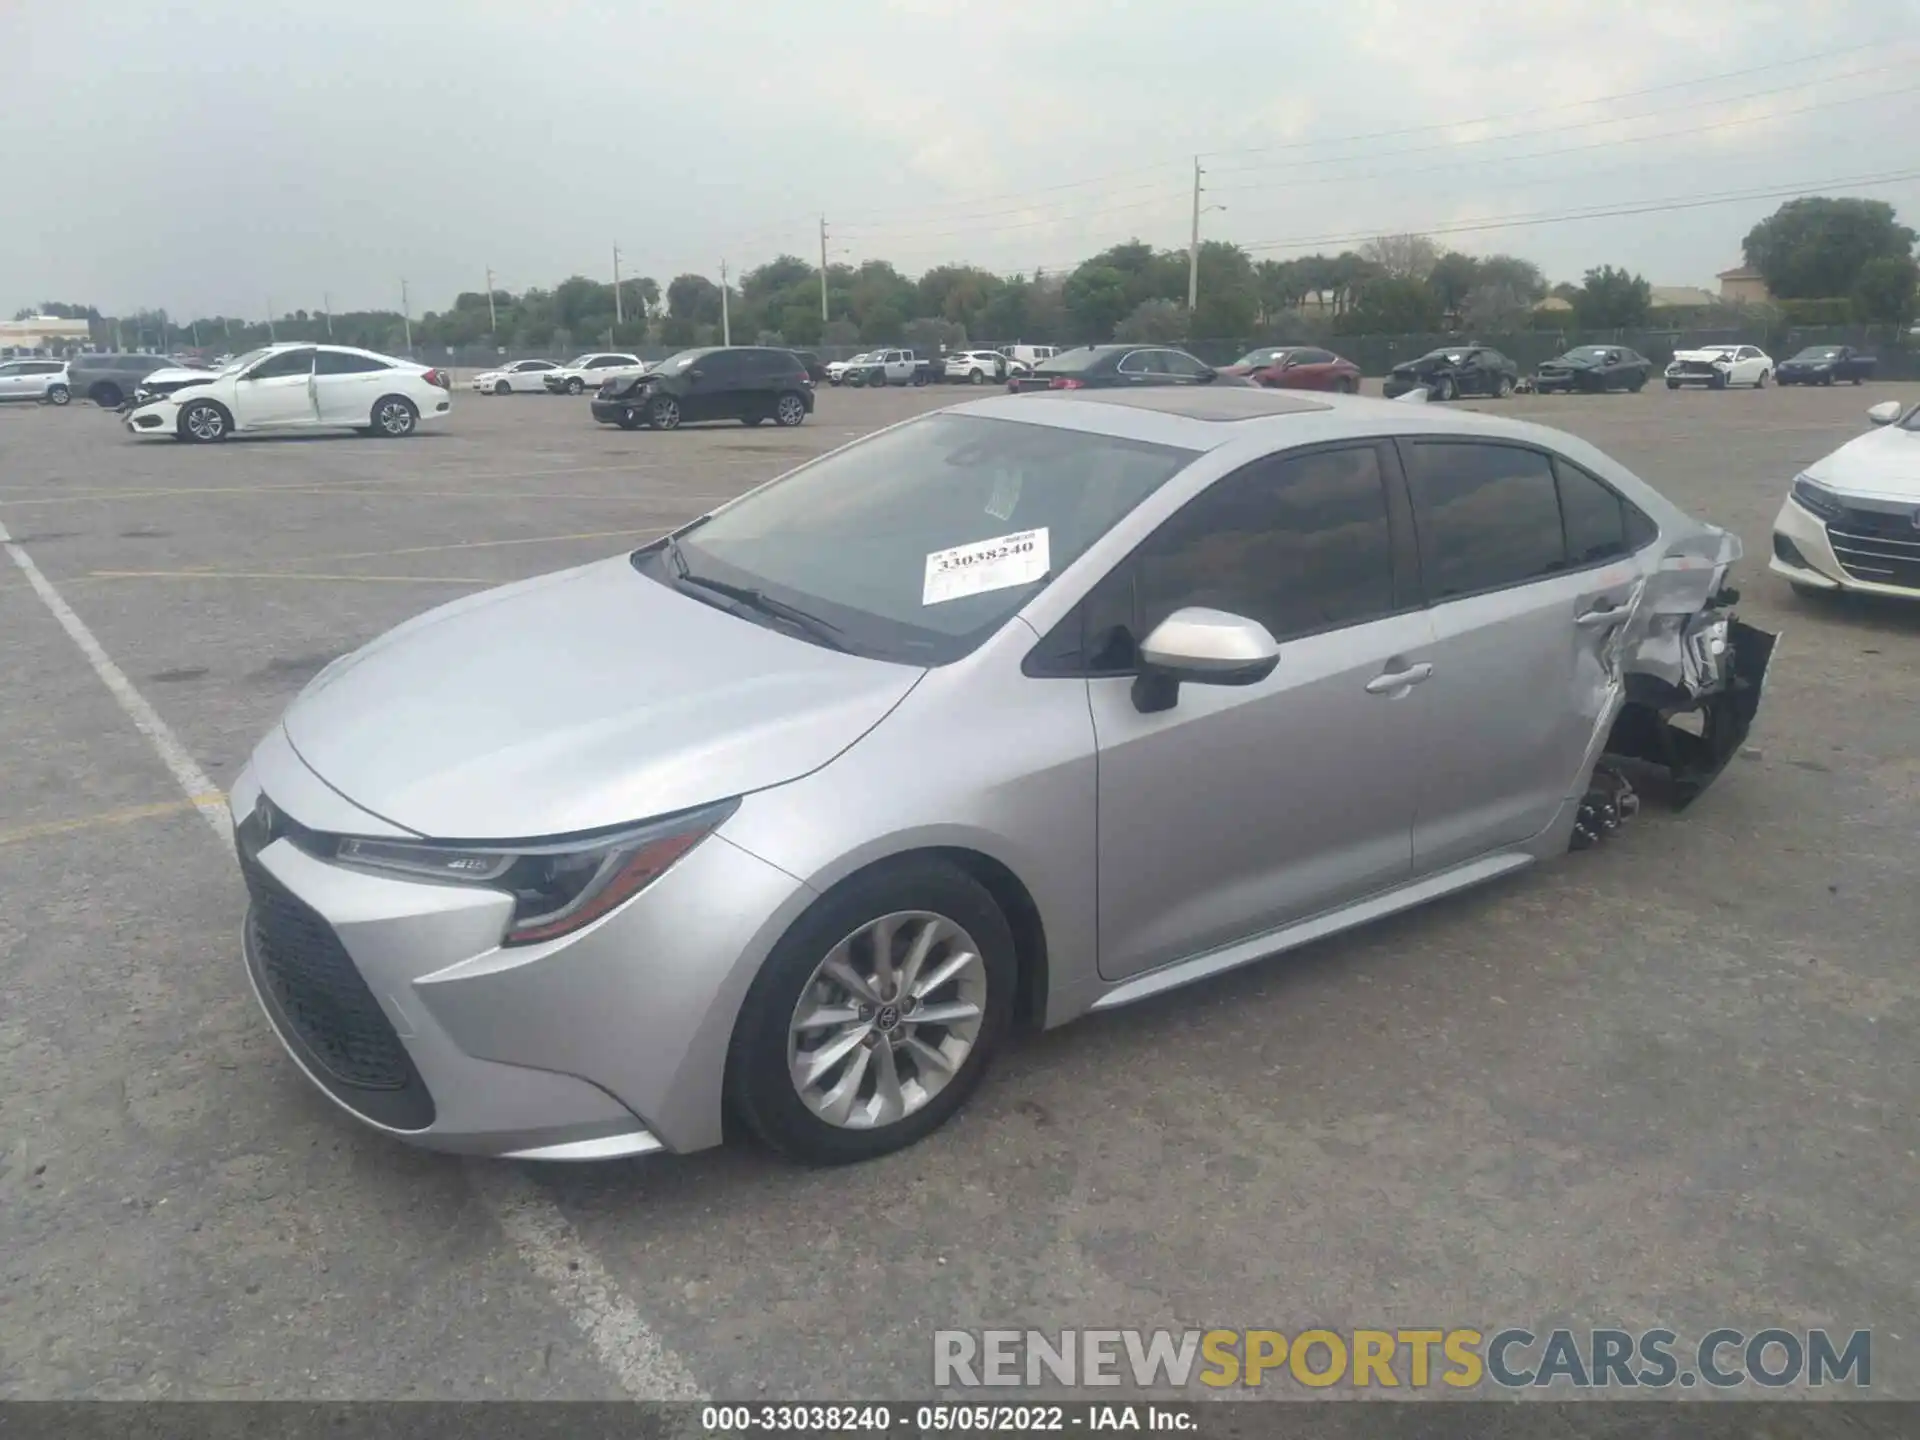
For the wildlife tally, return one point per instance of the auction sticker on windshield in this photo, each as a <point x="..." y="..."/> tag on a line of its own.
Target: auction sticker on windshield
<point x="996" y="564"/>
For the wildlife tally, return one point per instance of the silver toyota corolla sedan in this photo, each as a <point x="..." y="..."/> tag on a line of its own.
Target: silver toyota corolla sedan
<point x="1021" y="709"/>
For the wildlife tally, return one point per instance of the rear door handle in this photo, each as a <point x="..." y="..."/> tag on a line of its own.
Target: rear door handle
<point x="1394" y="680"/>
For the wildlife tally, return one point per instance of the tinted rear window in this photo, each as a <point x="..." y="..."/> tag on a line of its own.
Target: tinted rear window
<point x="1069" y="361"/>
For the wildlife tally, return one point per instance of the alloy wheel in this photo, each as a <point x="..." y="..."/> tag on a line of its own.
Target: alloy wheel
<point x="205" y="422"/>
<point x="395" y="417"/>
<point x="664" y="413"/>
<point x="887" y="1020"/>
<point x="790" y="411"/>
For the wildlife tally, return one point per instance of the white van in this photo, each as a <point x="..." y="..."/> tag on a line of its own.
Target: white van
<point x="1025" y="357"/>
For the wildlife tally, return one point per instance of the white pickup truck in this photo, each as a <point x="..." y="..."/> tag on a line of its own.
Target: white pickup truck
<point x="890" y="367"/>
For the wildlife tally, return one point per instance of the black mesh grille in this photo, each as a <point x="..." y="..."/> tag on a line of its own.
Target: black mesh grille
<point x="318" y="990"/>
<point x="1878" y="545"/>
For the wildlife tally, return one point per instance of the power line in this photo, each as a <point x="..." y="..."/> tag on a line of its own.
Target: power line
<point x="1569" y="104"/>
<point x="1641" y="207"/>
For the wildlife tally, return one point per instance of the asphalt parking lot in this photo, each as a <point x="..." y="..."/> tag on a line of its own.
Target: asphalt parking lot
<point x="1668" y="1081"/>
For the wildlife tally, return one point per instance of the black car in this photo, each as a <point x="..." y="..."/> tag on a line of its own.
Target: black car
<point x="1453" y="371"/>
<point x="816" y="372"/>
<point x="1106" y="367"/>
<point x="1594" y="368"/>
<point x="748" y="383"/>
<point x="109" y="379"/>
<point x="1824" y="364"/>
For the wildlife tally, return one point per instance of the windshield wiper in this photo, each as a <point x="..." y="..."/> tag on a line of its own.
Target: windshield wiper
<point x="824" y="631"/>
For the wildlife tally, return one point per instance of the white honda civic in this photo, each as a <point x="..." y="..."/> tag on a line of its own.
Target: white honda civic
<point x="1852" y="520"/>
<point x="296" y="386"/>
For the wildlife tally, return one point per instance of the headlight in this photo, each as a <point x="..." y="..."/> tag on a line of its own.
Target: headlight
<point x="1815" y="498"/>
<point x="557" y="887"/>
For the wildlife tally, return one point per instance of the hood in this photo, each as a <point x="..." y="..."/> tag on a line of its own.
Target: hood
<point x="1816" y="362"/>
<point x="1570" y="362"/>
<point x="589" y="698"/>
<point x="1883" y="464"/>
<point x="1702" y="355"/>
<point x="176" y="375"/>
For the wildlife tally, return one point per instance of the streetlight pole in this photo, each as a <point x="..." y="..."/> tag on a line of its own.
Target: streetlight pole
<point x="726" y="323"/>
<point x="406" y="316"/>
<point x="493" y="320"/>
<point x="272" y="337"/>
<point x="1193" y="245"/>
<point x="326" y="304"/>
<point x="823" y="269"/>
<point x="619" y="318"/>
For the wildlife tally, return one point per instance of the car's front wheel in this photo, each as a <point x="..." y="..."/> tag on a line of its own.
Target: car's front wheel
<point x="501" y="387"/>
<point x="876" y="1015"/>
<point x="204" y="422"/>
<point x="663" y="413"/>
<point x="1443" y="388"/>
<point x="1503" y="387"/>
<point x="1673" y="384"/>
<point x="576" y="385"/>
<point x="1760" y="381"/>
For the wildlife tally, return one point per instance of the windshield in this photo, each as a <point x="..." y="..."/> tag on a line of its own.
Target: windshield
<point x="245" y="360"/>
<point x="680" y="361"/>
<point x="918" y="543"/>
<point x="1912" y="420"/>
<point x="1819" y="352"/>
<point x="1587" y="352"/>
<point x="1452" y="357"/>
<point x="1262" y="357"/>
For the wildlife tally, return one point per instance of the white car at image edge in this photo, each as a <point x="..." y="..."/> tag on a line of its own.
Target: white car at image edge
<point x="29" y="378"/>
<point x="296" y="386"/>
<point x="837" y="369"/>
<point x="1851" y="521"/>
<point x="527" y="377"/>
<point x="1719" y="366"/>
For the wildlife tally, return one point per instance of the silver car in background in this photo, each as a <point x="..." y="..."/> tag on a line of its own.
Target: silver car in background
<point x="1029" y="707"/>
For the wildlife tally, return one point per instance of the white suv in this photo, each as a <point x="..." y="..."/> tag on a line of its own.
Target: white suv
<point x="44" y="380"/>
<point x="976" y="367"/>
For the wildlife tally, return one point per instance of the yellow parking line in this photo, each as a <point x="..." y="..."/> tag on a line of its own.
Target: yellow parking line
<point x="111" y="817"/>
<point x="290" y="575"/>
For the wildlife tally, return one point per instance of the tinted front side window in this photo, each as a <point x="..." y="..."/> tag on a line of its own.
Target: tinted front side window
<point x="289" y="362"/>
<point x="1299" y="544"/>
<point x="331" y="362"/>
<point x="866" y="537"/>
<point x="1488" y="516"/>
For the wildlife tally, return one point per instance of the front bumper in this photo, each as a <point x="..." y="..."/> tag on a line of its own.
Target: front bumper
<point x="612" y="412"/>
<point x="1854" y="552"/>
<point x="1698" y="374"/>
<point x="397" y="1001"/>
<point x="1398" y="385"/>
<point x="156" y="417"/>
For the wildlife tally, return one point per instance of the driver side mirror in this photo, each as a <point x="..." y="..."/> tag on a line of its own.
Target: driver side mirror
<point x="1885" y="413"/>
<point x="1201" y="647"/>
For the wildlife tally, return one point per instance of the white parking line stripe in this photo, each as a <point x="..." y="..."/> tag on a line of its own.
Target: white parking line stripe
<point x="547" y="1242"/>
<point x="622" y="1340"/>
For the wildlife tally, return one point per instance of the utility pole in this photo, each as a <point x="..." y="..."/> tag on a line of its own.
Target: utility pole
<point x="326" y="305"/>
<point x="726" y="323"/>
<point x="618" y="317"/>
<point x="823" y="269"/>
<point x="406" y="316"/>
<point x="1193" y="246"/>
<point x="272" y="337"/>
<point x="493" y="320"/>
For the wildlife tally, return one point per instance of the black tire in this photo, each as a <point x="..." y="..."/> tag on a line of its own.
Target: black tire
<point x="976" y="377"/>
<point x="1718" y="382"/>
<point x="1503" y="387"/>
<point x="630" y="419"/>
<point x="576" y="386"/>
<point x="1639" y="384"/>
<point x="501" y="387"/>
<point x="1346" y="387"/>
<point x="1673" y="384"/>
<point x="204" y="423"/>
<point x="1760" y="383"/>
<point x="61" y="395"/>
<point x="107" y="395"/>
<point x="856" y="378"/>
<point x="789" y="409"/>
<point x="759" y="1084"/>
<point x="1824" y="380"/>
<point x="753" y="419"/>
<point x="1443" y="388"/>
<point x="1855" y="380"/>
<point x="663" y="412"/>
<point x="394" y="417"/>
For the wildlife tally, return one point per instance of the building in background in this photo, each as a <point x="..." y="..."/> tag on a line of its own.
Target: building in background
<point x="1743" y="285"/>
<point x="43" y="332"/>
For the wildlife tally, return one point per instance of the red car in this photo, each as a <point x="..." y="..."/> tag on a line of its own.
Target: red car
<point x="1298" y="367"/>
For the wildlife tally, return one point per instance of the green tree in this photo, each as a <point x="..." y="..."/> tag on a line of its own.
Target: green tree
<point x="1453" y="277"/>
<point x="1814" y="247"/>
<point x="1152" y="321"/>
<point x="694" y="299"/>
<point x="1393" y="305"/>
<point x="1096" y="300"/>
<point x="1229" y="300"/>
<point x="1523" y="277"/>
<point x="1612" y="299"/>
<point x="1281" y="285"/>
<point x="1884" y="290"/>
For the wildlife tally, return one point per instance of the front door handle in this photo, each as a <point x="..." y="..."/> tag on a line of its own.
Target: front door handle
<point x="1398" y="680"/>
<point x="1600" y="617"/>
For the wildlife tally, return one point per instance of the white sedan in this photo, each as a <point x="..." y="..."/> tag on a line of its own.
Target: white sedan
<point x="296" y="386"/>
<point x="837" y="369"/>
<point x="526" y="376"/>
<point x="1718" y="366"/>
<point x="1852" y="520"/>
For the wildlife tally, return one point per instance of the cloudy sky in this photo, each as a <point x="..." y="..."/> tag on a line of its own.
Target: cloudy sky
<point x="210" y="158"/>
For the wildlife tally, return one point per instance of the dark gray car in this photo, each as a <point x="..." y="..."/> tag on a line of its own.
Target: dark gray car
<point x="109" y="379"/>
